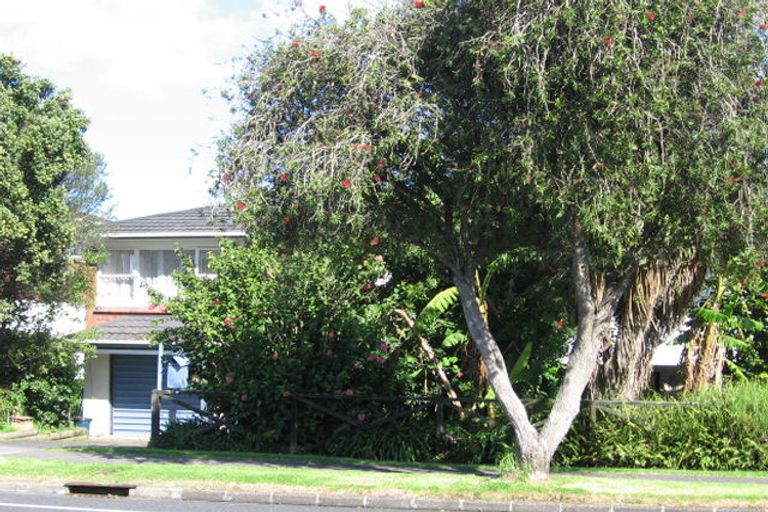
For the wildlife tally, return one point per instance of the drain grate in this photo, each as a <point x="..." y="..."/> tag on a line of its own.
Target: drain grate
<point x="103" y="489"/>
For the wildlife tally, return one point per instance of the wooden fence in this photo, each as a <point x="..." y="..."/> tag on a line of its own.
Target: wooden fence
<point x="401" y="406"/>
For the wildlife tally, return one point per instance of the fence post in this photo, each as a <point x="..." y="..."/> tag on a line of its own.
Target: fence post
<point x="155" y="423"/>
<point x="440" y="418"/>
<point x="294" y="426"/>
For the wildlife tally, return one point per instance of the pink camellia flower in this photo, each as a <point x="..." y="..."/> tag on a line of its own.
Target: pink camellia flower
<point x="384" y="347"/>
<point x="269" y="273"/>
<point x="244" y="397"/>
<point x="241" y="205"/>
<point x="381" y="165"/>
<point x="361" y="417"/>
<point x="229" y="378"/>
<point x="286" y="393"/>
<point x="375" y="241"/>
<point x="314" y="54"/>
<point x="217" y="301"/>
<point x="376" y="178"/>
<point x="228" y="322"/>
<point x="371" y="357"/>
<point x="262" y="313"/>
<point x="608" y="41"/>
<point x="275" y="356"/>
<point x="331" y="334"/>
<point x="152" y="306"/>
<point x="366" y="147"/>
<point x="760" y="264"/>
<point x="742" y="13"/>
<point x="759" y="83"/>
<point x="367" y="287"/>
<point x="380" y="359"/>
<point x="287" y="218"/>
<point x="329" y="352"/>
<point x="283" y="177"/>
<point x="322" y="9"/>
<point x="349" y="392"/>
<point x="346" y="183"/>
<point x="295" y="44"/>
<point x="650" y="15"/>
<point x="380" y="258"/>
<point x="460" y="374"/>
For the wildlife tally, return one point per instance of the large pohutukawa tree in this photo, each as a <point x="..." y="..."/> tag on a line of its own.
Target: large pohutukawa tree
<point x="619" y="133"/>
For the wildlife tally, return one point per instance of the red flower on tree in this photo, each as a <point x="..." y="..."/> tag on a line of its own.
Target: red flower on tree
<point x="559" y="324"/>
<point x="346" y="183"/>
<point x="375" y="241"/>
<point x="295" y="44"/>
<point x="314" y="54"/>
<point x="650" y="15"/>
<point x="760" y="264"/>
<point x="764" y="26"/>
<point x="283" y="177"/>
<point x="764" y="295"/>
<point x="229" y="378"/>
<point x="419" y="4"/>
<point x="322" y="9"/>
<point x="381" y="165"/>
<point x="759" y="83"/>
<point x="241" y="205"/>
<point x="608" y="41"/>
<point x="287" y="218"/>
<point x="275" y="356"/>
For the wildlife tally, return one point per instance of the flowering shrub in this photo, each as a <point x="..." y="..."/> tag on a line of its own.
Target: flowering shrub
<point x="273" y="325"/>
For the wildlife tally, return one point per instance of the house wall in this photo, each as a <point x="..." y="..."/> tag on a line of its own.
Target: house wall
<point x="96" y="399"/>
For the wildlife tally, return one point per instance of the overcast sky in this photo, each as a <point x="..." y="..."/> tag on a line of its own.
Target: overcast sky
<point x="148" y="74"/>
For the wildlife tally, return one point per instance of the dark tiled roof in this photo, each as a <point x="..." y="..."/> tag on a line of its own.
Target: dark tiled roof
<point x="203" y="219"/>
<point x="135" y="327"/>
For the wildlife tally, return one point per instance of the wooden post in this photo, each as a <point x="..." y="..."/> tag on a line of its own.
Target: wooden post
<point x="440" y="418"/>
<point x="294" y="439"/>
<point x="155" y="424"/>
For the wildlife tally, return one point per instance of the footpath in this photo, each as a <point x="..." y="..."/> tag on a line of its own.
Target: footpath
<point x="56" y="450"/>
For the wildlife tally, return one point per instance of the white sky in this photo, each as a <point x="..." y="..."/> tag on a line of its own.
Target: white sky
<point x="139" y="69"/>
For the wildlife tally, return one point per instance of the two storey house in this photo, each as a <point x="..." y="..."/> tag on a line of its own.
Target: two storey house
<point x="143" y="253"/>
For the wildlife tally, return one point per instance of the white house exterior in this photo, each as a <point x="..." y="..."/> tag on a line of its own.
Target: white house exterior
<point x="142" y="255"/>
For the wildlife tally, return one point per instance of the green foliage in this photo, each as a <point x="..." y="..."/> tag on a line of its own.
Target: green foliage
<point x="41" y="147"/>
<point x="272" y="325"/>
<point x="723" y="430"/>
<point x="41" y="375"/>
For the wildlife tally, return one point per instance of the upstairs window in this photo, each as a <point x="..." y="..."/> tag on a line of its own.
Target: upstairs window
<point x="119" y="262"/>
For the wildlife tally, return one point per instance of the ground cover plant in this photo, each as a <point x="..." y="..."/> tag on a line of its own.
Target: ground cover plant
<point x="713" y="430"/>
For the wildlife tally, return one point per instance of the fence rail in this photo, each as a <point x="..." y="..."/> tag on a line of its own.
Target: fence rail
<point x="419" y="403"/>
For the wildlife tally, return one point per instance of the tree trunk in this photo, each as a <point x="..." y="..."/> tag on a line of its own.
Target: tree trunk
<point x="705" y="355"/>
<point x="654" y="306"/>
<point x="595" y="308"/>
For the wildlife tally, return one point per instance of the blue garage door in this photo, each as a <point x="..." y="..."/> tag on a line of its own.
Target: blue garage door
<point x="133" y="379"/>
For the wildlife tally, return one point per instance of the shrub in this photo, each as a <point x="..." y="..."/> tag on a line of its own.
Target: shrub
<point x="713" y="430"/>
<point x="40" y="375"/>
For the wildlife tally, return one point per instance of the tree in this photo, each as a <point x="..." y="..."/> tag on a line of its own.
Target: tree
<point x="41" y="151"/>
<point x="615" y="135"/>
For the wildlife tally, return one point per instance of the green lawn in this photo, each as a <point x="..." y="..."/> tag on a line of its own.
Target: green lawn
<point x="5" y="427"/>
<point x="423" y="480"/>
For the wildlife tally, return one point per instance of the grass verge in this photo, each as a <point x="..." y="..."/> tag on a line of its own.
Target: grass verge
<point x="250" y="472"/>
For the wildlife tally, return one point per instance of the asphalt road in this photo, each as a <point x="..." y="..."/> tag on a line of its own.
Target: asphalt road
<point x="66" y="503"/>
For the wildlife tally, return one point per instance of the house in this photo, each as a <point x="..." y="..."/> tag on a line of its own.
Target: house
<point x="142" y="255"/>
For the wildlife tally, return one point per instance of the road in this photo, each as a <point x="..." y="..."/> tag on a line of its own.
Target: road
<point x="10" y="502"/>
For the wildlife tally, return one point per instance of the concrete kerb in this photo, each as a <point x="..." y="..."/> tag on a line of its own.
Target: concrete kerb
<point x="364" y="502"/>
